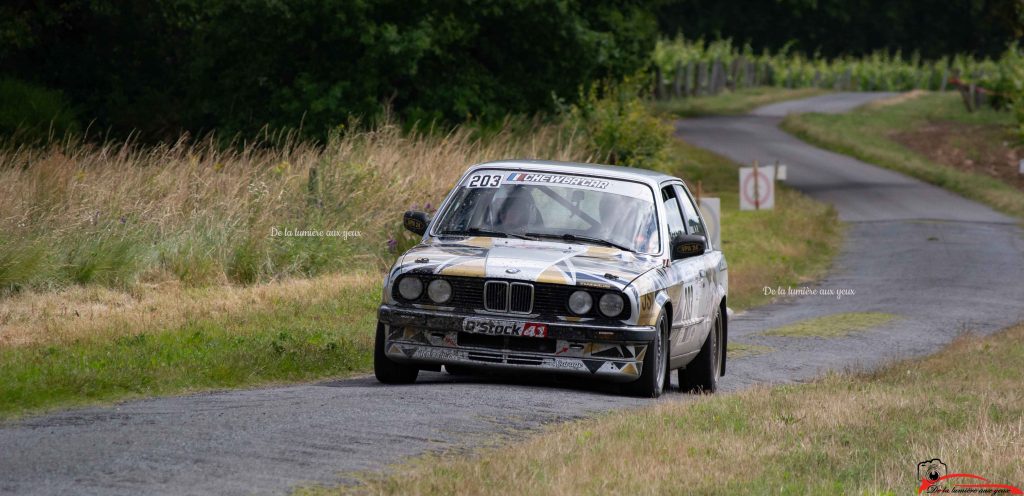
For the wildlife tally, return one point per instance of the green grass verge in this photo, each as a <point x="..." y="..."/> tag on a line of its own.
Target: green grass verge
<point x="831" y="326"/>
<point x="286" y="342"/>
<point x="844" y="434"/>
<point x="865" y="134"/>
<point x="731" y="102"/>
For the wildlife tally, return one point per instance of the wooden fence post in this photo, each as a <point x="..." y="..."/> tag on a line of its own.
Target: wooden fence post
<point x="734" y="73"/>
<point x="659" y="91"/>
<point x="689" y="78"/>
<point x="716" y="68"/>
<point x="677" y="82"/>
<point x="702" y="78"/>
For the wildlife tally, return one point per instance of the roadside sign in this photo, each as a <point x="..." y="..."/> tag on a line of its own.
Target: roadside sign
<point x="711" y="210"/>
<point x="1020" y="167"/>
<point x="757" y="189"/>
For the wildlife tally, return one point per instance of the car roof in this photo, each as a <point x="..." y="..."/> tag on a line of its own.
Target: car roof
<point x="610" y="171"/>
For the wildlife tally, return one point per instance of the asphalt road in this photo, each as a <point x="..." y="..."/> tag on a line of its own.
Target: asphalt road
<point x="942" y="263"/>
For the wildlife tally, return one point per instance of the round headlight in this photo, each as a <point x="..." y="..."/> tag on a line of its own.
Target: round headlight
<point x="580" y="302"/>
<point x="410" y="287"/>
<point x="439" y="291"/>
<point x="611" y="304"/>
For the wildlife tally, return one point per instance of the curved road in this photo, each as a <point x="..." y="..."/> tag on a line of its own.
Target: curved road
<point x="942" y="263"/>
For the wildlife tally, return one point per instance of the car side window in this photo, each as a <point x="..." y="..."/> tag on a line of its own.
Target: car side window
<point x="694" y="225"/>
<point x="674" y="216"/>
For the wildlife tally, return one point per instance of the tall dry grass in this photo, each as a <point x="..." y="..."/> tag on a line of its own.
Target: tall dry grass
<point x="195" y="211"/>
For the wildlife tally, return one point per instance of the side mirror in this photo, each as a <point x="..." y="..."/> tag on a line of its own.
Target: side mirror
<point x="415" y="221"/>
<point x="688" y="245"/>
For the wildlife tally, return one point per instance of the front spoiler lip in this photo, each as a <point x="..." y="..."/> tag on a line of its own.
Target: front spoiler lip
<point x="452" y="321"/>
<point x="618" y="370"/>
<point x="441" y="346"/>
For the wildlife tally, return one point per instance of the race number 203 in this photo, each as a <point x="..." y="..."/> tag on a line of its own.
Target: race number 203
<point x="485" y="181"/>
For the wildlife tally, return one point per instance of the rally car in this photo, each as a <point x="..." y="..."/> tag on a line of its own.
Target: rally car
<point x="564" y="268"/>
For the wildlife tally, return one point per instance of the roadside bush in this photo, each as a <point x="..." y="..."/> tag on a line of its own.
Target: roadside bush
<point x="31" y="113"/>
<point x="619" y="124"/>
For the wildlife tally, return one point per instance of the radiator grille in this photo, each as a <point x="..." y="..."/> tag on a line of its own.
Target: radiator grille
<point x="496" y="296"/>
<point x="521" y="298"/>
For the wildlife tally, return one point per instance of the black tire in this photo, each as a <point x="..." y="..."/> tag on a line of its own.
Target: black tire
<point x="701" y="375"/>
<point x="654" y="377"/>
<point x="386" y="370"/>
<point x="459" y="370"/>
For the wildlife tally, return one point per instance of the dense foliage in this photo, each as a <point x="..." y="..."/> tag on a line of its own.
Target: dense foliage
<point x="933" y="28"/>
<point x="1005" y="85"/>
<point x="31" y="113"/>
<point x="160" y="66"/>
<point x="879" y="70"/>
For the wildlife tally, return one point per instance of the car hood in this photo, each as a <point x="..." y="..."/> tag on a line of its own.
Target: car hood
<point x="528" y="260"/>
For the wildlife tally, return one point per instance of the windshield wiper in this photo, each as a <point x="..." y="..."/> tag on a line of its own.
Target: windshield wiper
<point x="476" y="231"/>
<point x="583" y="239"/>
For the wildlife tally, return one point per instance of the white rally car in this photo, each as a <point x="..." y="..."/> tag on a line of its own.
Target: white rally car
<point x="564" y="268"/>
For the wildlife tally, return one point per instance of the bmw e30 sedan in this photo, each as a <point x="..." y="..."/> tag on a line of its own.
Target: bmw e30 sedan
<point x="557" y="267"/>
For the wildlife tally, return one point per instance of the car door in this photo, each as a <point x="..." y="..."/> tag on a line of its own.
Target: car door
<point x="705" y="287"/>
<point x="684" y="276"/>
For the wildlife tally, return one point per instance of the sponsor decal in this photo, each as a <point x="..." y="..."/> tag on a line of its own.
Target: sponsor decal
<point x="568" y="364"/>
<point x="437" y="354"/>
<point x="531" y="177"/>
<point x="936" y="479"/>
<point x="505" y="328"/>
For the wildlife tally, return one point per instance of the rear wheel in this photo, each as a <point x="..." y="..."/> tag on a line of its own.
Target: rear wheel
<point x="701" y="375"/>
<point x="655" y="366"/>
<point x="387" y="370"/>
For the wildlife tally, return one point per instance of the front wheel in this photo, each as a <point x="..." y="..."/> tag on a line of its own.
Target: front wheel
<point x="653" y="377"/>
<point x="387" y="370"/>
<point x="701" y="375"/>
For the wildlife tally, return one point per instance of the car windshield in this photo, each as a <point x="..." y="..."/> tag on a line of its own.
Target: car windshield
<point x="568" y="207"/>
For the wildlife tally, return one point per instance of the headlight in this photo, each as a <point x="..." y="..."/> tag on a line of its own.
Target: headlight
<point x="410" y="287"/>
<point x="580" y="302"/>
<point x="611" y="304"/>
<point x="439" y="291"/>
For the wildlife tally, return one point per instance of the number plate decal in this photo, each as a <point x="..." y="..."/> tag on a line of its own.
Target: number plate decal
<point x="535" y="330"/>
<point x="511" y="328"/>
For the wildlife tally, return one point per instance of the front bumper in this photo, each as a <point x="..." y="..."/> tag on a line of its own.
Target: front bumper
<point x="431" y="337"/>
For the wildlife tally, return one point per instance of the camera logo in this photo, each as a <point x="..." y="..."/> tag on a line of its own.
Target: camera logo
<point x="936" y="479"/>
<point x="932" y="470"/>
